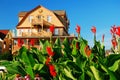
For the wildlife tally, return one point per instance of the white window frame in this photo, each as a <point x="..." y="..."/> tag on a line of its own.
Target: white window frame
<point x="56" y="31"/>
<point x="49" y="18"/>
<point x="48" y="30"/>
<point x="20" y="32"/>
<point x="39" y="17"/>
<point x="30" y="18"/>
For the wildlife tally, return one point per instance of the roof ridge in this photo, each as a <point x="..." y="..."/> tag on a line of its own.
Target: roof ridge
<point x="28" y="14"/>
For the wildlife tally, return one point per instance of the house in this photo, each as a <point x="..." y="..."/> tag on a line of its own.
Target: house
<point x="34" y="25"/>
<point x="5" y="41"/>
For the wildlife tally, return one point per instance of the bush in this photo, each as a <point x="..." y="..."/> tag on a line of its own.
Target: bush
<point x="6" y="56"/>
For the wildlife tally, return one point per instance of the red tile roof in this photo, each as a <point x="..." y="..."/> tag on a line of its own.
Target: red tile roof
<point x="4" y="31"/>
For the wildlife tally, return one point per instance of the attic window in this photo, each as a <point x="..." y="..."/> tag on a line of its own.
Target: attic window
<point x="49" y="18"/>
<point x="39" y="17"/>
<point x="30" y="18"/>
<point x="40" y="11"/>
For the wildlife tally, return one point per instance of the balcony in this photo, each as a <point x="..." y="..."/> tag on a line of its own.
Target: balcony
<point x="41" y="22"/>
<point x="37" y="22"/>
<point x="36" y="34"/>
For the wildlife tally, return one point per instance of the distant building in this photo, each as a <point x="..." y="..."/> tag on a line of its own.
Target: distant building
<point x="5" y="41"/>
<point x="34" y="25"/>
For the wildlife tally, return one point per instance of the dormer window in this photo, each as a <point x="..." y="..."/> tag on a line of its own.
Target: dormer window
<point x="30" y="18"/>
<point x="39" y="17"/>
<point x="49" y="18"/>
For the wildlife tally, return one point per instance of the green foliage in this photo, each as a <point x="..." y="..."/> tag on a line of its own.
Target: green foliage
<point x="70" y="60"/>
<point x="6" y="56"/>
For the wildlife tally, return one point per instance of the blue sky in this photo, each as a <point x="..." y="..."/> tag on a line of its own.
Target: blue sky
<point x="86" y="13"/>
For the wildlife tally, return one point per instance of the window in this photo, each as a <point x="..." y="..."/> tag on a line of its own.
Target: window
<point x="20" y="32"/>
<point x="49" y="18"/>
<point x="29" y="30"/>
<point x="30" y="18"/>
<point x="48" y="30"/>
<point x="4" y="46"/>
<point x="56" y="31"/>
<point x="39" y="17"/>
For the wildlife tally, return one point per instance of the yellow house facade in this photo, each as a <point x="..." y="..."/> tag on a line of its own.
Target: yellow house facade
<point x="5" y="41"/>
<point x="40" y="19"/>
<point x="35" y="24"/>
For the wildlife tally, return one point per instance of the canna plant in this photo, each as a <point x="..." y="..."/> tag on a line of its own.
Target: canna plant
<point x="66" y="60"/>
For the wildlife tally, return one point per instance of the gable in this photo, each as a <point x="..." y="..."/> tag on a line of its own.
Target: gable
<point x="38" y="11"/>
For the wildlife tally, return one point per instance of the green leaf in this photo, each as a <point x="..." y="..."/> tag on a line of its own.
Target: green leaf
<point x="57" y="42"/>
<point x="109" y="72"/>
<point x="83" y="44"/>
<point x="115" y="66"/>
<point x="111" y="59"/>
<point x="96" y="73"/>
<point x="69" y="74"/>
<point x="38" y="67"/>
<point x="43" y="45"/>
<point x="29" y="71"/>
<point x="66" y="45"/>
<point x="74" y="51"/>
<point x="81" y="62"/>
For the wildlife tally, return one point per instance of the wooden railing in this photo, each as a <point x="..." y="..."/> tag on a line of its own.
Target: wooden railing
<point x="37" y="34"/>
<point x="16" y="48"/>
<point x="37" y="21"/>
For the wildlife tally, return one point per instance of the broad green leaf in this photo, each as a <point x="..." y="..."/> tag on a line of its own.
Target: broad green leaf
<point x="110" y="73"/>
<point x="31" y="59"/>
<point x="111" y="59"/>
<point x="57" y="42"/>
<point x="74" y="52"/>
<point x="115" y="66"/>
<point x="29" y="71"/>
<point x="66" y="44"/>
<point x="96" y="73"/>
<point x="69" y="74"/>
<point x="83" y="44"/>
<point x="89" y="73"/>
<point x="81" y="62"/>
<point x="38" y="67"/>
<point x="82" y="76"/>
<point x="43" y="45"/>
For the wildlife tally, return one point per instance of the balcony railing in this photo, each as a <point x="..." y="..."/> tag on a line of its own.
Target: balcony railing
<point x="37" y="34"/>
<point x="37" y="22"/>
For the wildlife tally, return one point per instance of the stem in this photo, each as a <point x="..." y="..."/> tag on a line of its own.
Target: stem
<point x="94" y="38"/>
<point x="78" y="35"/>
<point x="51" y="40"/>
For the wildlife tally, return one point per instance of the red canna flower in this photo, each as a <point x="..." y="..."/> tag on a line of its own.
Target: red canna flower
<point x="52" y="70"/>
<point x="47" y="61"/>
<point x="87" y="50"/>
<point x="103" y="36"/>
<point x="78" y="29"/>
<point x="20" y="42"/>
<point x="52" y="29"/>
<point x="93" y="29"/>
<point x="114" y="42"/>
<point x="32" y="42"/>
<point x="49" y="51"/>
<point x="118" y="30"/>
<point x="113" y="29"/>
<point x="77" y="45"/>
